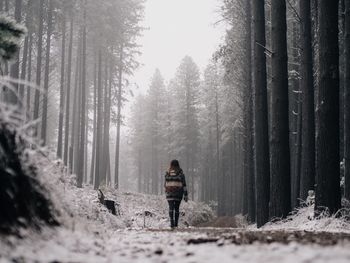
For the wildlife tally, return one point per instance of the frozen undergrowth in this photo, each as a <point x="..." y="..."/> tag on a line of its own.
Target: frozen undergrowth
<point x="82" y="204"/>
<point x="303" y="219"/>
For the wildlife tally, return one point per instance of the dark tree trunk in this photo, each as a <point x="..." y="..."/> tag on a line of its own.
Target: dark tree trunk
<point x="307" y="175"/>
<point x="280" y="193"/>
<point x="327" y="114"/>
<point x="295" y="114"/>
<point x="347" y="100"/>
<point x="62" y="93"/>
<point x="262" y="160"/>
<point x="249" y="151"/>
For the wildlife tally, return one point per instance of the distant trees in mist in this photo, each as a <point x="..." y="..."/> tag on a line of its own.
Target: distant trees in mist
<point x="80" y="54"/>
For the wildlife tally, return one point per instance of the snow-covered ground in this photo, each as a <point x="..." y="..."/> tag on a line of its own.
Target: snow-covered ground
<point x="125" y="245"/>
<point x="89" y="233"/>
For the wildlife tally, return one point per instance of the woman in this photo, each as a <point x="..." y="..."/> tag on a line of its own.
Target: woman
<point x="175" y="189"/>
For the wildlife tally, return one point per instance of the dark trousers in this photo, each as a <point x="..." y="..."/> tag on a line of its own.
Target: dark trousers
<point x="174" y="212"/>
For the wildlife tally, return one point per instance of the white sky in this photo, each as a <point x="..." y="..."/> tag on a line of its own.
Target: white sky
<point x="178" y="28"/>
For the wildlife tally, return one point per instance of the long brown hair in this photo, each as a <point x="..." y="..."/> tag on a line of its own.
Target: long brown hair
<point x="174" y="165"/>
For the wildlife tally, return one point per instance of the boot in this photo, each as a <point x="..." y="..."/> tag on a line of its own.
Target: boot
<point x="177" y="215"/>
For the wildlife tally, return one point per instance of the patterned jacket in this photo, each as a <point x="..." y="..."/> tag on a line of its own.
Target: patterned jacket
<point x="175" y="185"/>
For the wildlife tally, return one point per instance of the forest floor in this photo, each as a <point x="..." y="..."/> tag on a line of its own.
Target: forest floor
<point x="89" y="233"/>
<point x="182" y="245"/>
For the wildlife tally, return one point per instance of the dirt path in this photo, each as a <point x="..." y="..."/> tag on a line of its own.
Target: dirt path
<point x="188" y="245"/>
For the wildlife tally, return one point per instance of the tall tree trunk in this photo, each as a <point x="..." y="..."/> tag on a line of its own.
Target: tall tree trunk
<point x="93" y="150"/>
<point x="99" y="118"/>
<point x="39" y="61"/>
<point x="68" y="92"/>
<point x="307" y="175"/>
<point x="62" y="93"/>
<point x="83" y="107"/>
<point x="347" y="100"/>
<point x="74" y="139"/>
<point x="327" y="114"/>
<point x="261" y="142"/>
<point x="47" y="72"/>
<point x="24" y="67"/>
<point x="280" y="191"/>
<point x="26" y="50"/>
<point x="249" y="151"/>
<point x="78" y="100"/>
<point x="107" y="110"/>
<point x="119" y="117"/>
<point x="29" y="76"/>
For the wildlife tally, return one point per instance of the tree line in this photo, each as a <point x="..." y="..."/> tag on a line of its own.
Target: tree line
<point x="80" y="55"/>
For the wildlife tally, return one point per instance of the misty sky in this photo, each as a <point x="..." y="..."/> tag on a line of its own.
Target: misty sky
<point x="178" y="28"/>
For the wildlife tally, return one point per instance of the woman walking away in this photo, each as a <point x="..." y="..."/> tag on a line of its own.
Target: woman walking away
<point x="175" y="189"/>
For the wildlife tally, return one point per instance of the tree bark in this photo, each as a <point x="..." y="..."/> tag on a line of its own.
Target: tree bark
<point x="307" y="175"/>
<point x="347" y="100"/>
<point x="261" y="142"/>
<point x="119" y="117"/>
<point x="83" y="107"/>
<point x="280" y="191"/>
<point x="99" y="118"/>
<point x="68" y="92"/>
<point x="47" y="72"/>
<point x="93" y="150"/>
<point x="249" y="151"/>
<point x="62" y="93"/>
<point x="39" y="62"/>
<point x="327" y="114"/>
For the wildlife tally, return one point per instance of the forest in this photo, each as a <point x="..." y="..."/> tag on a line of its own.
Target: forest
<point x="261" y="131"/>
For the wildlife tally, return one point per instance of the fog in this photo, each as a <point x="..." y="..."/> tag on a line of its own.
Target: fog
<point x="174" y="29"/>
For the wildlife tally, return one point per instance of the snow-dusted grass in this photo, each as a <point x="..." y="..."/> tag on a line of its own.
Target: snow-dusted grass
<point x="303" y="219"/>
<point x="82" y="204"/>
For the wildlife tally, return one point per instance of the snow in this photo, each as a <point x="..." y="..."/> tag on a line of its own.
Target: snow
<point x="303" y="219"/>
<point x="125" y="245"/>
